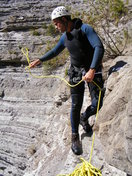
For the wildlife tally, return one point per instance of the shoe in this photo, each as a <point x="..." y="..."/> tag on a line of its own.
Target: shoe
<point x="87" y="128"/>
<point x="76" y="144"/>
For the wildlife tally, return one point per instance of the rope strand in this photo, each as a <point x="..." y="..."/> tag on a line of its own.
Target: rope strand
<point x="25" y="52"/>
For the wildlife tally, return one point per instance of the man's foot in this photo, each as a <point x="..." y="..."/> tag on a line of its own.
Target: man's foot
<point x="76" y="144"/>
<point x="87" y="128"/>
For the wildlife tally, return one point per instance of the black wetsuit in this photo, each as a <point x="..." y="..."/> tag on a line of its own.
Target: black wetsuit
<point x="86" y="51"/>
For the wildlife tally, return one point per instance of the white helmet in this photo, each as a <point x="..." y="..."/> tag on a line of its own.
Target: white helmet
<point x="59" y="12"/>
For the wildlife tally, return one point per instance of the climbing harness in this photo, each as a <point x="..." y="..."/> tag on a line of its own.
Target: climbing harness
<point x="86" y="169"/>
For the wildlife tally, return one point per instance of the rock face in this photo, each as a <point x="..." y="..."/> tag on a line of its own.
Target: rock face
<point x="116" y="115"/>
<point x="35" y="132"/>
<point x="28" y="122"/>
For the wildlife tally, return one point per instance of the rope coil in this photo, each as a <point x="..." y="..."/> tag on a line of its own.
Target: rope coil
<point x="86" y="169"/>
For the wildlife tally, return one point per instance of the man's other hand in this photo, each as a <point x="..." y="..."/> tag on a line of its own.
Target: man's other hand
<point x="89" y="75"/>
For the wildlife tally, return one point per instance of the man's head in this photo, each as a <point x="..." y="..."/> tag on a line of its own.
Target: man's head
<point x="61" y="17"/>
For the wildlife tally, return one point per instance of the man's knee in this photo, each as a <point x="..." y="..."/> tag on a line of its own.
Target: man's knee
<point x="77" y="101"/>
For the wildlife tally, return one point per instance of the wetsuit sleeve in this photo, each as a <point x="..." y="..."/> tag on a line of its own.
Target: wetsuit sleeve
<point x="97" y="57"/>
<point x="54" y="51"/>
<point x="96" y="43"/>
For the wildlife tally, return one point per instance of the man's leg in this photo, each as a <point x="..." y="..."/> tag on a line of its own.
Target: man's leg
<point x="92" y="109"/>
<point x="77" y="100"/>
<point x="77" y="94"/>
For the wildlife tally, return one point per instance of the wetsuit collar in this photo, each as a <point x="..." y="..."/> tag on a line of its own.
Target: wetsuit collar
<point x="77" y="23"/>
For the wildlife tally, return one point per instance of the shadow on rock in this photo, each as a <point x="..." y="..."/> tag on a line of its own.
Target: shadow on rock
<point x="116" y="67"/>
<point x="83" y="135"/>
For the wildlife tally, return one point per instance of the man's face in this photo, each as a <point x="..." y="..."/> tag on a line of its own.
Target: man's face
<point x="59" y="25"/>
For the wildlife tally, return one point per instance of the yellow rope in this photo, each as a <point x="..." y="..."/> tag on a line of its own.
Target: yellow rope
<point x="95" y="120"/>
<point x="86" y="169"/>
<point x="25" y="52"/>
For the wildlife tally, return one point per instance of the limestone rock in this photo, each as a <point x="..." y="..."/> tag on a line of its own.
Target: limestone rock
<point x="116" y="115"/>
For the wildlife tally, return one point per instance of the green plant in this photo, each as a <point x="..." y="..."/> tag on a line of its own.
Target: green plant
<point x="51" y="30"/>
<point x="44" y="26"/>
<point x="35" y="33"/>
<point x="66" y="71"/>
<point x="117" y="9"/>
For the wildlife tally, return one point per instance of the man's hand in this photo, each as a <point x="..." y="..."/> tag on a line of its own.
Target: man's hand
<point x="89" y="75"/>
<point x="34" y="63"/>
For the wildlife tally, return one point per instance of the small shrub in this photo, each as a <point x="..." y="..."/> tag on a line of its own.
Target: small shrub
<point x="117" y="9"/>
<point x="51" y="30"/>
<point x="66" y="71"/>
<point x="44" y="26"/>
<point x="35" y="33"/>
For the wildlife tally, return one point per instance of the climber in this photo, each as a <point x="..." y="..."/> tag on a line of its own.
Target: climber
<point x="86" y="52"/>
